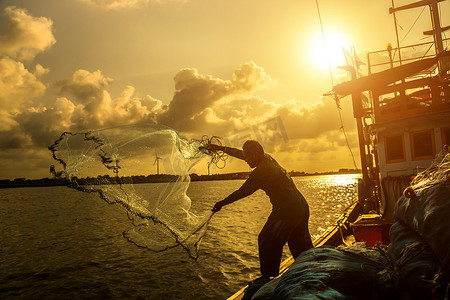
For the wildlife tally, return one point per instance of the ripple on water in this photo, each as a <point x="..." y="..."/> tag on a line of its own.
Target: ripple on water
<point x="60" y="243"/>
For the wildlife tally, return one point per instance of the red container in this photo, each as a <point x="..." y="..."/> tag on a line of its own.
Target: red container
<point x="370" y="229"/>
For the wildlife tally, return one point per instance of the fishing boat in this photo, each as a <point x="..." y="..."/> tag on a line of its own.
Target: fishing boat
<point x="402" y="112"/>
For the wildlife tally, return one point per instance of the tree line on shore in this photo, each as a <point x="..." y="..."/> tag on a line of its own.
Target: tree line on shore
<point x="154" y="178"/>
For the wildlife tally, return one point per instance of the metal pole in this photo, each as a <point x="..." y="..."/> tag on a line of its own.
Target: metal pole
<point x="436" y="26"/>
<point x="396" y="33"/>
<point x="358" y="113"/>
<point x="437" y="31"/>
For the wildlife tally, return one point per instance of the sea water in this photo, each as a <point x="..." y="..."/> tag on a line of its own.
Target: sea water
<point x="58" y="243"/>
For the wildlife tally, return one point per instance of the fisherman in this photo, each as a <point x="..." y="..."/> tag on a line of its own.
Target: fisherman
<point x="288" y="221"/>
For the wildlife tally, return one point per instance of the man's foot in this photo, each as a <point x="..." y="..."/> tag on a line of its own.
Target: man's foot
<point x="254" y="286"/>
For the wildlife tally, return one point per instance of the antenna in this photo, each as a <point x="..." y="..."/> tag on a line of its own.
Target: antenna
<point x="157" y="158"/>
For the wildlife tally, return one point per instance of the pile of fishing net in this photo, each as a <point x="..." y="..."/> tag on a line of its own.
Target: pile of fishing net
<point x="420" y="239"/>
<point x="354" y="272"/>
<point x="414" y="266"/>
<point x="110" y="162"/>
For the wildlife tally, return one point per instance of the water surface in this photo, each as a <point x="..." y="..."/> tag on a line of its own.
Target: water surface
<point x="58" y="243"/>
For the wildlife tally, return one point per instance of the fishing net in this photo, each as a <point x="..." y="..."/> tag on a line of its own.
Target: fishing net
<point x="352" y="272"/>
<point x="437" y="172"/>
<point x="421" y="232"/>
<point x="111" y="162"/>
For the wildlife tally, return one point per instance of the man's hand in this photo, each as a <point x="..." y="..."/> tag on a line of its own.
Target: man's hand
<point x="211" y="148"/>
<point x="214" y="147"/>
<point x="217" y="206"/>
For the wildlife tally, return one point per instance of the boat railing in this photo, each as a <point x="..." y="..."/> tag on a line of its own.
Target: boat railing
<point x="420" y="94"/>
<point x="384" y="59"/>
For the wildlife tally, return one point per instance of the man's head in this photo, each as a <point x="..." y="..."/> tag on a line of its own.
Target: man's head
<point x="253" y="153"/>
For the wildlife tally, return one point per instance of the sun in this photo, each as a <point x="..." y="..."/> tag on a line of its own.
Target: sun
<point x="321" y="53"/>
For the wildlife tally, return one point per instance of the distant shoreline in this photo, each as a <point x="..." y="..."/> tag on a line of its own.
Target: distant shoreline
<point x="22" y="182"/>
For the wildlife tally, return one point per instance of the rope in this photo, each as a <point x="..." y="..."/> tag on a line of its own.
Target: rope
<point x="324" y="41"/>
<point x="343" y="131"/>
<point x="218" y="157"/>
<point x="334" y="96"/>
<point x="332" y="83"/>
<point x="413" y="24"/>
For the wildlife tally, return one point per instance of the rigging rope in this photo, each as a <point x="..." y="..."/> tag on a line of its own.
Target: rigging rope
<point x="336" y="99"/>
<point x="413" y="25"/>
<point x="324" y="42"/>
<point x="343" y="131"/>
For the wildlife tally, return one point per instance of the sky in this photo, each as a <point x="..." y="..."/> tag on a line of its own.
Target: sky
<point x="233" y="69"/>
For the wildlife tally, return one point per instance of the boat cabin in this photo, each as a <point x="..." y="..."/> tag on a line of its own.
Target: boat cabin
<point x="409" y="120"/>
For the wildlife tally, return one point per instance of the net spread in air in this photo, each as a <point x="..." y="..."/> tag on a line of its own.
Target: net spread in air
<point x="109" y="161"/>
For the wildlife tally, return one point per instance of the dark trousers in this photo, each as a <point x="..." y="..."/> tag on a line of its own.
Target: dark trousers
<point x="274" y="236"/>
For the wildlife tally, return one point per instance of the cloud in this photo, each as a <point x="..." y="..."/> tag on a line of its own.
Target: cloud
<point x="21" y="39"/>
<point x="197" y="100"/>
<point x="193" y="94"/>
<point x="14" y="138"/>
<point x="85" y="104"/>
<point x="42" y="125"/>
<point x="94" y="108"/>
<point x="289" y="127"/>
<point x="18" y="88"/>
<point x="309" y="121"/>
<point x="24" y="36"/>
<point x="84" y="85"/>
<point x="120" y="4"/>
<point x="233" y="110"/>
<point x="202" y="104"/>
<point x="250" y="77"/>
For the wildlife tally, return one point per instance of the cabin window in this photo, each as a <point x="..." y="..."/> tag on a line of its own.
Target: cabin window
<point x="445" y="136"/>
<point x="422" y="144"/>
<point x="395" y="148"/>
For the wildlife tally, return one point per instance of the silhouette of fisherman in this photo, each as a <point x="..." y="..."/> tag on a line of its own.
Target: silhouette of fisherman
<point x="288" y="221"/>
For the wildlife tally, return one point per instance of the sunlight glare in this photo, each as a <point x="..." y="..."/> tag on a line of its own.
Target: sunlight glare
<point x="331" y="50"/>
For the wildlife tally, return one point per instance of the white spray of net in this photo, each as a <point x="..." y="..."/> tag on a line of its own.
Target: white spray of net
<point x="108" y="161"/>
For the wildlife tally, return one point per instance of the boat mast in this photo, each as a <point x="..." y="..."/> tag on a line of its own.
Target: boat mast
<point x="396" y="33"/>
<point x="436" y="26"/>
<point x="437" y="29"/>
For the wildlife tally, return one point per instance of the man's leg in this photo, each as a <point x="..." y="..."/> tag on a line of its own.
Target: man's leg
<point x="300" y="239"/>
<point x="271" y="240"/>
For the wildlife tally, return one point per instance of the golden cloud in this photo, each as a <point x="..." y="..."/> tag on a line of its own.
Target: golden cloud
<point x="24" y="36"/>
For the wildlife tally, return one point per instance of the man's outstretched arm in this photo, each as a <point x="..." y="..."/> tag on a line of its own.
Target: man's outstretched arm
<point x="248" y="188"/>
<point x="238" y="153"/>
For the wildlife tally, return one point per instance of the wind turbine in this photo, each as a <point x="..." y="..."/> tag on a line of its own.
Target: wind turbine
<point x="157" y="158"/>
<point x="209" y="165"/>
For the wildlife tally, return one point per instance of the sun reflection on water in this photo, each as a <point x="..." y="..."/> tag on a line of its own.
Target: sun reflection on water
<point x="327" y="197"/>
